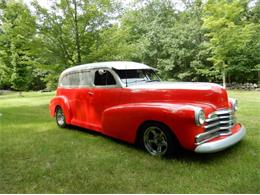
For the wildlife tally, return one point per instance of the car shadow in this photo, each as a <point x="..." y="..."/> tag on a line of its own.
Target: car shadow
<point x="182" y="155"/>
<point x="96" y="133"/>
<point x="203" y="158"/>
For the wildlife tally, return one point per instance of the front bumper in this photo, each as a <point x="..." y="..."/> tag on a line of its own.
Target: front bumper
<point x="221" y="144"/>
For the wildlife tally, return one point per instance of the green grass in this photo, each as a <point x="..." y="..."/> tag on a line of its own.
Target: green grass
<point x="38" y="157"/>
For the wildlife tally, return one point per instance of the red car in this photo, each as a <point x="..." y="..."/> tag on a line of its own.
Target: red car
<point x="128" y="101"/>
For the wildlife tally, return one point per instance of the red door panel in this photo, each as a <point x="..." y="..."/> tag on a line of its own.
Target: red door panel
<point x="80" y="107"/>
<point x="99" y="100"/>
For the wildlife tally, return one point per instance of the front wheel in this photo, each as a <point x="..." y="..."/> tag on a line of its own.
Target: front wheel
<point x="158" y="140"/>
<point x="60" y="117"/>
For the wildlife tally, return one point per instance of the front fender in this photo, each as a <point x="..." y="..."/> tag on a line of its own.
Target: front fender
<point x="63" y="102"/>
<point x="123" y="121"/>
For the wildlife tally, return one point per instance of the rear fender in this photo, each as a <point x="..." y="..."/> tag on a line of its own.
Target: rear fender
<point x="61" y="101"/>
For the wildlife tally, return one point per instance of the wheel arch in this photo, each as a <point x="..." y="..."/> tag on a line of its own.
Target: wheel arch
<point x="141" y="127"/>
<point x="62" y="102"/>
<point x="56" y="107"/>
<point x="174" y="146"/>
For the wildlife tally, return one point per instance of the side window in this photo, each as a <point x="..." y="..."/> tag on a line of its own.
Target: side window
<point x="70" y="80"/>
<point x="103" y="77"/>
<point x="85" y="78"/>
<point x="65" y="81"/>
<point x="74" y="79"/>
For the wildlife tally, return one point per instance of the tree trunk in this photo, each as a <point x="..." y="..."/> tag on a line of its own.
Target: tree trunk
<point x="229" y="78"/>
<point x="258" y="82"/>
<point x="20" y="94"/>
<point x="77" y="41"/>
<point x="224" y="78"/>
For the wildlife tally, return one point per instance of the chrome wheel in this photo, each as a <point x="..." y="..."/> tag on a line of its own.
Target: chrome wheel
<point x="60" y="118"/>
<point x="155" y="141"/>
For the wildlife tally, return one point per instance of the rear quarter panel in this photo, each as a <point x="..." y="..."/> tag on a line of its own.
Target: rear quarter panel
<point x="63" y="102"/>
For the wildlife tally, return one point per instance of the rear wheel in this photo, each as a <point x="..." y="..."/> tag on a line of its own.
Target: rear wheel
<point x="158" y="140"/>
<point x="60" y="117"/>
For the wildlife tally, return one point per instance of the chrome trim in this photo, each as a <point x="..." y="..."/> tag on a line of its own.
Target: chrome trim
<point x="221" y="144"/>
<point x="217" y="118"/>
<point x="211" y="119"/>
<point x="219" y="112"/>
<point x="222" y="117"/>
<point x="223" y="134"/>
<point x="212" y="125"/>
<point x="218" y="123"/>
<point x="212" y="131"/>
<point x="214" y="136"/>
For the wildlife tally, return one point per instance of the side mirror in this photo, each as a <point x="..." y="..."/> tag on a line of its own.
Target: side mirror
<point x="101" y="71"/>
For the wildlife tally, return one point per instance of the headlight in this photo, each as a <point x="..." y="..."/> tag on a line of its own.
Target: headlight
<point x="234" y="103"/>
<point x="199" y="117"/>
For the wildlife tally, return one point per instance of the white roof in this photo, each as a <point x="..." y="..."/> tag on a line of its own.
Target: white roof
<point x="119" y="65"/>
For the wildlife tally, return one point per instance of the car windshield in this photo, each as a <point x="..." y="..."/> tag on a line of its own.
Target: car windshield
<point x="137" y="76"/>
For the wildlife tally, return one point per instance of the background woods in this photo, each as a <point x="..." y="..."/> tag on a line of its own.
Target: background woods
<point x="201" y="41"/>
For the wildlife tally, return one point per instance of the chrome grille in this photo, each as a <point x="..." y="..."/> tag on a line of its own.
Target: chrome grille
<point x="218" y="123"/>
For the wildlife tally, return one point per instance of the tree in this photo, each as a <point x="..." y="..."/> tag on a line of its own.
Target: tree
<point x="232" y="35"/>
<point x="68" y="31"/>
<point x="113" y="44"/>
<point x="20" y="77"/>
<point x="171" y="40"/>
<point x="16" y="40"/>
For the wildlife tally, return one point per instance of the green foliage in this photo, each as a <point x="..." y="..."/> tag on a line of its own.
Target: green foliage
<point x="172" y="41"/>
<point x="20" y="77"/>
<point x="68" y="31"/>
<point x="234" y="37"/>
<point x="121" y="49"/>
<point x="17" y="46"/>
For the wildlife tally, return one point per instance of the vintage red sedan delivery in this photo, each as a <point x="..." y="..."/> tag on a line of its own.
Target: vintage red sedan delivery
<point x="128" y="101"/>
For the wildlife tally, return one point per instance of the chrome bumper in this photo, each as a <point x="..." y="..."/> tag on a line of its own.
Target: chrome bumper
<point x="221" y="144"/>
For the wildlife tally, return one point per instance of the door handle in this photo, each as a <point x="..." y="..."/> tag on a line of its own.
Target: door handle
<point x="90" y="93"/>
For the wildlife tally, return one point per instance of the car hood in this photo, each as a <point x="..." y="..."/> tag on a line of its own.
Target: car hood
<point x="186" y="92"/>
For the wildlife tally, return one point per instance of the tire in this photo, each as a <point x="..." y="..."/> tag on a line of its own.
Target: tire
<point x="60" y="117"/>
<point x="158" y="140"/>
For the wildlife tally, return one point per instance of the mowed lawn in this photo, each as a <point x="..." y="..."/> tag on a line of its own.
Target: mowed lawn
<point x="38" y="157"/>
